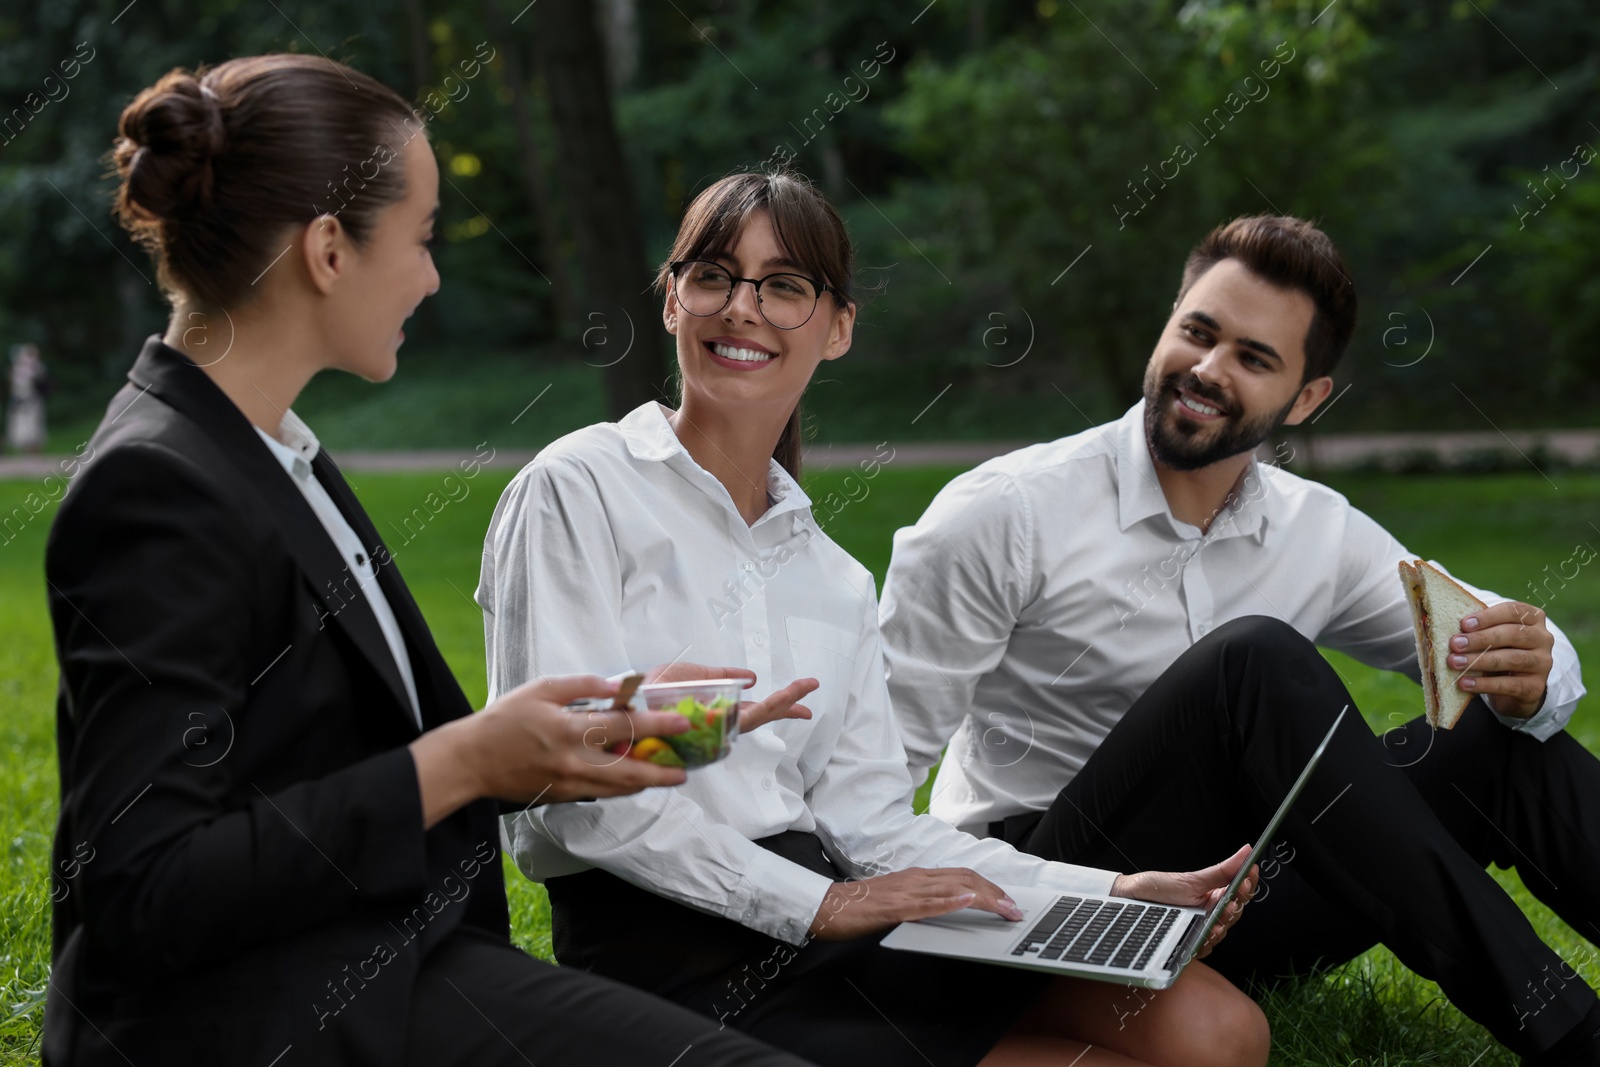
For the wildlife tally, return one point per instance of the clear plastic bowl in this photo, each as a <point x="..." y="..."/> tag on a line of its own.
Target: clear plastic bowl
<point x="713" y="707"/>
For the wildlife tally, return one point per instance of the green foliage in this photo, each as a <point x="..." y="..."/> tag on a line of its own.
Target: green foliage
<point x="977" y="149"/>
<point x="1081" y="165"/>
<point x="1557" y="275"/>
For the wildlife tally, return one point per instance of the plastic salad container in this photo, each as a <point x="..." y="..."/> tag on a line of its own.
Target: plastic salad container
<point x="712" y="708"/>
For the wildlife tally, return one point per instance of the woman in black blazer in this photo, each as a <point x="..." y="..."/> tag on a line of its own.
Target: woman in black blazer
<point x="278" y="813"/>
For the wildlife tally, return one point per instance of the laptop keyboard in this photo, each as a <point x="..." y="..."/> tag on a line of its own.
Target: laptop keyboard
<point x="1105" y="933"/>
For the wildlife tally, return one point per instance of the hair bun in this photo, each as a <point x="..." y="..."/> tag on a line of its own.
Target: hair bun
<point x="170" y="136"/>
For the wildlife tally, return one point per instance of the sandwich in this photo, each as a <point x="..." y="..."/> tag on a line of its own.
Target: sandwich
<point x="1438" y="604"/>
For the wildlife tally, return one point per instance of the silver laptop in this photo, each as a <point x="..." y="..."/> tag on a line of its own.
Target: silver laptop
<point x="1084" y="935"/>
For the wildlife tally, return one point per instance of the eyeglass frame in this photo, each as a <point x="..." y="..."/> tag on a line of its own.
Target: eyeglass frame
<point x="674" y="268"/>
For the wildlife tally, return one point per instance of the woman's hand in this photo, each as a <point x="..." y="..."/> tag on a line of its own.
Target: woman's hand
<point x="752" y="714"/>
<point x="855" y="909"/>
<point x="1195" y="889"/>
<point x="527" y="747"/>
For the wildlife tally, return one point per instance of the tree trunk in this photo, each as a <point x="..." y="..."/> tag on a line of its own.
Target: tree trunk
<point x="827" y="140"/>
<point x="619" y="314"/>
<point x="621" y="24"/>
<point x="563" y="302"/>
<point x="421" y="51"/>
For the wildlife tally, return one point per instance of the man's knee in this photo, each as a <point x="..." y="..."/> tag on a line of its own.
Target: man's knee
<point x="1259" y="632"/>
<point x="1259" y="646"/>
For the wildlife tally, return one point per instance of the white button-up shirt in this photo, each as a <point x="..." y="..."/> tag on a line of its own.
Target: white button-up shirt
<point x="1043" y="591"/>
<point x="296" y="451"/>
<point x="614" y="550"/>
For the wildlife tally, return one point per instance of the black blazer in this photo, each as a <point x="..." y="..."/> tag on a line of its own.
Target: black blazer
<point x="240" y="870"/>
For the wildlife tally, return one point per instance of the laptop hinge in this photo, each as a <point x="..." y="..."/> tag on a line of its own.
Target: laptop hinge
<point x="1183" y="944"/>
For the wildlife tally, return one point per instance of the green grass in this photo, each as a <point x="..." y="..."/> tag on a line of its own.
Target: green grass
<point x="1499" y="530"/>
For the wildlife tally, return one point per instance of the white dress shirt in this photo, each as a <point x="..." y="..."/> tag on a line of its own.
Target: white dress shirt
<point x="296" y="451"/>
<point x="613" y="550"/>
<point x="1043" y="591"/>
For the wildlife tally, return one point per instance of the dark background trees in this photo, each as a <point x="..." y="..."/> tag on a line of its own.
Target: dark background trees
<point x="1010" y="170"/>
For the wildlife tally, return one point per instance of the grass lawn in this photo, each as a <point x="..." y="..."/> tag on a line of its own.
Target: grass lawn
<point x="1502" y="531"/>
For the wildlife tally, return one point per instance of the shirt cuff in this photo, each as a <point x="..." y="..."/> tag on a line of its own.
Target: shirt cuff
<point x="779" y="897"/>
<point x="1542" y="724"/>
<point x="1070" y="878"/>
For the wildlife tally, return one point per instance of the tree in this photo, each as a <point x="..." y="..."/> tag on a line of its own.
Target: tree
<point x="599" y="196"/>
<point x="531" y="157"/>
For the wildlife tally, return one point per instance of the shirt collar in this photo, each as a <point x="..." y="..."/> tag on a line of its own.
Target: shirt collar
<point x="296" y="449"/>
<point x="650" y="439"/>
<point x="648" y="434"/>
<point x="1139" y="494"/>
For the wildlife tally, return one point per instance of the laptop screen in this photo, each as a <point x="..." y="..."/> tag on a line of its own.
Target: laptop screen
<point x="1204" y="929"/>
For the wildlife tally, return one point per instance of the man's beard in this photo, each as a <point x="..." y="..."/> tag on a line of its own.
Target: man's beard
<point x="1180" y="447"/>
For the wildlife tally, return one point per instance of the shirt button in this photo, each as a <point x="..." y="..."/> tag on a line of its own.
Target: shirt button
<point x="766" y="783"/>
<point x="749" y="565"/>
<point x="1202" y="628"/>
<point x="759" y="638"/>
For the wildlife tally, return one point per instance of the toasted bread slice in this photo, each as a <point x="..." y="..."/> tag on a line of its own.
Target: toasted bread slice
<point x="1438" y="604"/>
<point x="1419" y="626"/>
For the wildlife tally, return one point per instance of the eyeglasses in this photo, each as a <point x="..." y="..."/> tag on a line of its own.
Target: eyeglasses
<point x="786" y="301"/>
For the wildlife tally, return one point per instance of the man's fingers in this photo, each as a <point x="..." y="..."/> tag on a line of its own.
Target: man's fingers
<point x="1522" y="687"/>
<point x="1514" y="660"/>
<point x="1512" y="612"/>
<point x="1511" y="636"/>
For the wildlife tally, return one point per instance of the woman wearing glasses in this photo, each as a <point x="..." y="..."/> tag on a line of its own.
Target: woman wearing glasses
<point x="684" y="533"/>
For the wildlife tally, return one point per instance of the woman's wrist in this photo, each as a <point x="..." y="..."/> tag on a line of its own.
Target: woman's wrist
<point x="448" y="769"/>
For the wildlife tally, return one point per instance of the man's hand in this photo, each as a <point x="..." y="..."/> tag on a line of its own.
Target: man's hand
<point x="1195" y="889"/>
<point x="1507" y="649"/>
<point x="855" y="909"/>
<point x="780" y="705"/>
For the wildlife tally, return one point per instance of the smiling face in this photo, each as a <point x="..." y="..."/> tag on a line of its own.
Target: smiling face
<point x="1228" y="369"/>
<point x="734" y="360"/>
<point x="384" y="278"/>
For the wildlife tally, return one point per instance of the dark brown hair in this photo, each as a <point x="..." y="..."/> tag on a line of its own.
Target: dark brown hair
<point x="809" y="231"/>
<point x="217" y="163"/>
<point x="1292" y="254"/>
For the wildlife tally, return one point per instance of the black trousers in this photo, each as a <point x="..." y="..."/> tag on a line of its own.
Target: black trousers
<point x="481" y="1001"/>
<point x="846" y="1003"/>
<point x="1388" y="842"/>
